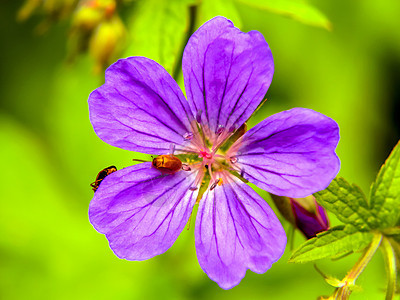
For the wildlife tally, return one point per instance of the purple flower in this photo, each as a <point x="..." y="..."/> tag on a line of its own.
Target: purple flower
<point x="141" y="108"/>
<point x="304" y="214"/>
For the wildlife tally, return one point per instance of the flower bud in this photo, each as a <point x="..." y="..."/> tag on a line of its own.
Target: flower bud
<point x="90" y="13"/>
<point x="107" y="42"/>
<point x="303" y="213"/>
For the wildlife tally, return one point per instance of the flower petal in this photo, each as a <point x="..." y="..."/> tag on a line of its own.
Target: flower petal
<point x="142" y="212"/>
<point x="140" y="107"/>
<point x="227" y="73"/>
<point x="291" y="153"/>
<point x="236" y="230"/>
<point x="310" y="223"/>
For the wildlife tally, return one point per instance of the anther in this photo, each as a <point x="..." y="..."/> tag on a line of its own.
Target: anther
<point x="186" y="168"/>
<point x="233" y="159"/>
<point x="188" y="136"/>
<point x="219" y="130"/>
<point x="198" y="116"/>
<point x="242" y="172"/>
<point x="214" y="185"/>
<point x="232" y="129"/>
<point x="193" y="188"/>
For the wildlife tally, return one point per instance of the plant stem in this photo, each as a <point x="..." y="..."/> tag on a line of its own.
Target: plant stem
<point x="359" y="267"/>
<point x="390" y="259"/>
<point x="343" y="292"/>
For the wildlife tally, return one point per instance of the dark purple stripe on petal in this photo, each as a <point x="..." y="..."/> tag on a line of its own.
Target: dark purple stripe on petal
<point x="236" y="230"/>
<point x="141" y="211"/>
<point x="140" y="107"/>
<point x="227" y="72"/>
<point x="291" y="153"/>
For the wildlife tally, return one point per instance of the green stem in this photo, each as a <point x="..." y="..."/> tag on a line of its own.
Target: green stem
<point x="390" y="259"/>
<point x="359" y="267"/>
<point x="343" y="293"/>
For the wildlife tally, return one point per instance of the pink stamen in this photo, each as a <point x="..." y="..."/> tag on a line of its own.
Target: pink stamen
<point x="186" y="168"/>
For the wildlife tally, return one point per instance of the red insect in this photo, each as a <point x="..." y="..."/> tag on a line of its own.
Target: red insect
<point x="167" y="164"/>
<point x="102" y="174"/>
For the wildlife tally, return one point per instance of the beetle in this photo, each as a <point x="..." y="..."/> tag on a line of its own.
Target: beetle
<point x="167" y="164"/>
<point x="102" y="174"/>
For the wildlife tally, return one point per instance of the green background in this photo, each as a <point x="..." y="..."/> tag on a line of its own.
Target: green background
<point x="50" y="154"/>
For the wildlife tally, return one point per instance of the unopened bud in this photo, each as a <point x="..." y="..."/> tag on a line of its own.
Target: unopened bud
<point x="303" y="213"/>
<point x="107" y="42"/>
<point x="90" y="13"/>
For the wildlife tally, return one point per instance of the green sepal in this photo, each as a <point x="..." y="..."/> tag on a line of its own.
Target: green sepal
<point x="333" y="242"/>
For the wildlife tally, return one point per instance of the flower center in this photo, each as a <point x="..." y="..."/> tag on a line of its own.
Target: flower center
<point x="206" y="155"/>
<point x="205" y="152"/>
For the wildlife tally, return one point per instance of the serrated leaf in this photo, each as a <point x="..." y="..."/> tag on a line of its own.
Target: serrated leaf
<point x="297" y="10"/>
<point x="385" y="191"/>
<point x="333" y="242"/>
<point x="348" y="203"/>
<point x="158" y="31"/>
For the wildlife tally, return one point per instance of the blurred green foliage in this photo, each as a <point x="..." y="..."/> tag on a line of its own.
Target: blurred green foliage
<point x="50" y="154"/>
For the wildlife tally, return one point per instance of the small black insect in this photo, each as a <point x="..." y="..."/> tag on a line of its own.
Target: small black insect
<point x="102" y="174"/>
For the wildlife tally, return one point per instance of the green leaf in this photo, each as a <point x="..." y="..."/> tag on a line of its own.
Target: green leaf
<point x="158" y="31"/>
<point x="333" y="242"/>
<point x="385" y="191"/>
<point x="348" y="203"/>
<point x="297" y="10"/>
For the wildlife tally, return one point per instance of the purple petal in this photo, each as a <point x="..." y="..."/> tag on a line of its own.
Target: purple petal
<point x="140" y="107"/>
<point x="291" y="153"/>
<point x="142" y="212"/>
<point x="323" y="214"/>
<point x="227" y="72"/>
<point x="236" y="230"/>
<point x="307" y="222"/>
